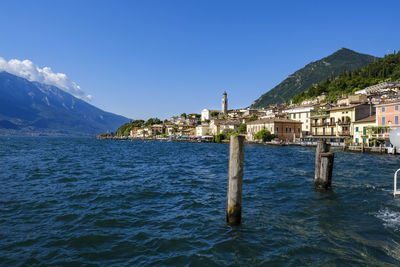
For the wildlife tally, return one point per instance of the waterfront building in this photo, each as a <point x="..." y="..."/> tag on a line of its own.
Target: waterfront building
<point x="301" y="114"/>
<point x="203" y="130"/>
<point x="133" y="132"/>
<point x="157" y="129"/>
<point x="216" y="126"/>
<point x="139" y="133"/>
<point x="387" y="118"/>
<point x="170" y="129"/>
<point x="284" y="129"/>
<point x="363" y="130"/>
<point x="337" y="122"/>
<point x="231" y="124"/>
<point x="186" y="131"/>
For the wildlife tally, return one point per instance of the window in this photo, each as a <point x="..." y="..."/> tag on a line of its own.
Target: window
<point x="277" y="129"/>
<point x="396" y="107"/>
<point x="383" y="120"/>
<point x="356" y="129"/>
<point x="298" y="129"/>
<point x="396" y="120"/>
<point x="364" y="130"/>
<point x="356" y="140"/>
<point x="383" y="109"/>
<point x="294" y="115"/>
<point x="299" y="115"/>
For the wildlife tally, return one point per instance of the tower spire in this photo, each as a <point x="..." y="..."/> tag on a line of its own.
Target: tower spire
<point x="224" y="108"/>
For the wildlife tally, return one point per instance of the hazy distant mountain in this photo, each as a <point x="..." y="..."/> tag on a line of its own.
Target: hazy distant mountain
<point x="31" y="108"/>
<point x="315" y="72"/>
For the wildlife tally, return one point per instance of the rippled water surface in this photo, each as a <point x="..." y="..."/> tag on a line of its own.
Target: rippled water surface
<point x="86" y="201"/>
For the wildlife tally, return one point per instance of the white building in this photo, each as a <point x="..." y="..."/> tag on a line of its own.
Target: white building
<point x="206" y="114"/>
<point x="301" y="114"/>
<point x="202" y="130"/>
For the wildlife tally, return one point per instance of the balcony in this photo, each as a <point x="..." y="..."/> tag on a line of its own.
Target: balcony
<point x="381" y="136"/>
<point x="321" y="124"/>
<point x="343" y="122"/>
<point x="324" y="134"/>
<point x="344" y="133"/>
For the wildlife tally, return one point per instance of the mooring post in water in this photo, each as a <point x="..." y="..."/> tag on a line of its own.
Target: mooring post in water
<point x="325" y="171"/>
<point x="322" y="147"/>
<point x="235" y="180"/>
<point x="362" y="147"/>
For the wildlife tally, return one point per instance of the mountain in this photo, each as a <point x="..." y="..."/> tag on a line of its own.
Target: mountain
<point x="313" y="73"/>
<point x="348" y="82"/>
<point x="32" y="108"/>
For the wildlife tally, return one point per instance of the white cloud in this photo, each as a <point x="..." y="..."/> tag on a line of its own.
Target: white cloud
<point x="28" y="70"/>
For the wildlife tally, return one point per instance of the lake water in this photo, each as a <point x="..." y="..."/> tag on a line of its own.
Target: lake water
<point x="86" y="201"/>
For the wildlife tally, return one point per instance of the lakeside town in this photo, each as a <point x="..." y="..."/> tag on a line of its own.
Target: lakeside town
<point x="360" y="121"/>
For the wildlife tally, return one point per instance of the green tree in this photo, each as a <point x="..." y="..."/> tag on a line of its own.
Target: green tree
<point x="264" y="135"/>
<point x="226" y="133"/>
<point x="253" y="117"/>
<point x="214" y="114"/>
<point x="183" y="115"/>
<point x="218" y="138"/>
<point x="126" y="128"/>
<point x="242" y="128"/>
<point x="152" y="121"/>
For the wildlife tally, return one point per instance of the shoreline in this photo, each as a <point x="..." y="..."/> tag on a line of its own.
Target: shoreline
<point x="358" y="149"/>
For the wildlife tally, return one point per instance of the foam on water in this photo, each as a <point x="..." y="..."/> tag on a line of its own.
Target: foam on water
<point x="390" y="218"/>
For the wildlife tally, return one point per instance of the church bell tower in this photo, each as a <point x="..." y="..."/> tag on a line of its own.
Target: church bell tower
<point x="224" y="109"/>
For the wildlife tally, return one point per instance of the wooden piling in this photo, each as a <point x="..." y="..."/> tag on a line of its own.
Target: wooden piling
<point x="323" y="166"/>
<point x="235" y="180"/>
<point x="362" y="147"/>
<point x="322" y="147"/>
<point x="325" y="171"/>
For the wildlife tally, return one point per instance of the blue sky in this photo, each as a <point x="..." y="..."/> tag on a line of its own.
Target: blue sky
<point x="149" y="58"/>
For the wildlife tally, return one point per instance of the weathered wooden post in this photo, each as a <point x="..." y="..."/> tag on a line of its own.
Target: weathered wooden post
<point x="322" y="147"/>
<point x="325" y="171"/>
<point x="235" y="180"/>
<point x="323" y="166"/>
<point x="362" y="147"/>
